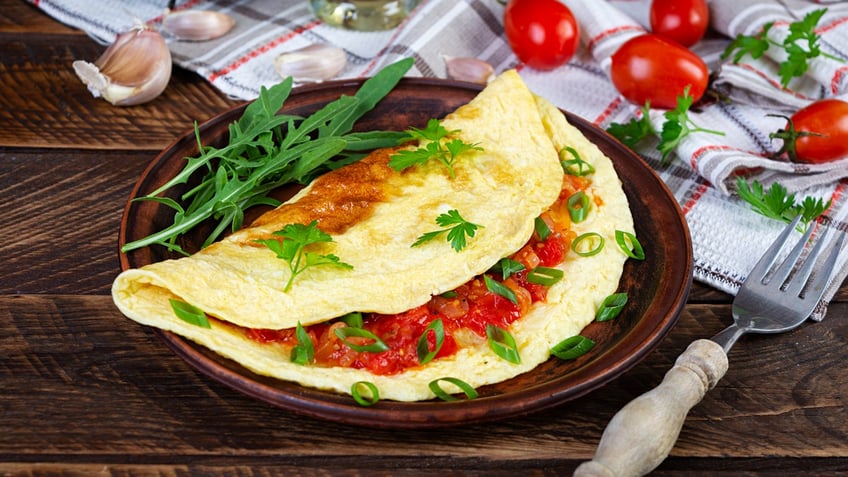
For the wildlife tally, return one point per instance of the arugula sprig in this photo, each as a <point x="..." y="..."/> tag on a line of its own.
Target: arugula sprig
<point x="266" y="150"/>
<point x="801" y="45"/>
<point x="437" y="145"/>
<point x="291" y="247"/>
<point x="456" y="227"/>
<point x="677" y="126"/>
<point x="777" y="203"/>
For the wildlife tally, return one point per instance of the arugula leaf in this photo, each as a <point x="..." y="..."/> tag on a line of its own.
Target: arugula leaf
<point x="801" y="45"/>
<point x="292" y="248"/>
<point x="435" y="147"/>
<point x="266" y="150"/>
<point x="777" y="203"/>
<point x="456" y="227"/>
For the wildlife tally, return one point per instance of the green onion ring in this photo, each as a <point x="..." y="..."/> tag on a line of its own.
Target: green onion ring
<point x="584" y="237"/>
<point x="578" y="206"/>
<point x="542" y="229"/>
<point x="500" y="289"/>
<point x="362" y="400"/>
<point x="304" y="351"/>
<point x="349" y="331"/>
<point x="572" y="348"/>
<point x="425" y="354"/>
<point x="546" y="276"/>
<point x="435" y="386"/>
<point x="611" y="307"/>
<point x="576" y="165"/>
<point x="190" y="313"/>
<point x="502" y="343"/>
<point x="636" y="251"/>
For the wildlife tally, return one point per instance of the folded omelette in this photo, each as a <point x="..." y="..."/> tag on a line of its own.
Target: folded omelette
<point x="374" y="213"/>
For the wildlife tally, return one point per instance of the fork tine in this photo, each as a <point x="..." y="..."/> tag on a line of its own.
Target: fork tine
<point x="767" y="260"/>
<point x="798" y="282"/>
<point x="789" y="263"/>
<point x="816" y="287"/>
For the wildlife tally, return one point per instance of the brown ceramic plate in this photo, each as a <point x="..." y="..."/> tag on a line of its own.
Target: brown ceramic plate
<point x="657" y="287"/>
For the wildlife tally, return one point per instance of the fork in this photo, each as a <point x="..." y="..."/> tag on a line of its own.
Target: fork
<point x="642" y="433"/>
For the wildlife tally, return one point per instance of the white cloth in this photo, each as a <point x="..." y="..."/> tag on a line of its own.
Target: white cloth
<point x="727" y="236"/>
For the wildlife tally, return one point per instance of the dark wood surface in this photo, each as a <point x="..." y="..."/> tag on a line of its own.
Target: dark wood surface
<point x="84" y="390"/>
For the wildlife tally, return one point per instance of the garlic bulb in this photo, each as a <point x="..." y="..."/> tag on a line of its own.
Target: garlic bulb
<point x="197" y="25"/>
<point x="311" y="63"/>
<point x="135" y="69"/>
<point x="468" y="69"/>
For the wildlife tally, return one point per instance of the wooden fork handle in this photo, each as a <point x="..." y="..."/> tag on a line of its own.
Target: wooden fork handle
<point x="642" y="433"/>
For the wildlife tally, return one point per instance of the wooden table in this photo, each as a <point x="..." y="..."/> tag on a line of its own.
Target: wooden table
<point x="84" y="390"/>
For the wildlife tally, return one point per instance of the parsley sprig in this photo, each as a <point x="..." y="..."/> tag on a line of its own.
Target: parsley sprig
<point x="437" y="145"/>
<point x="266" y="150"/>
<point x="677" y="126"/>
<point x="778" y="203"/>
<point x="801" y="45"/>
<point x="456" y="227"/>
<point x="291" y="247"/>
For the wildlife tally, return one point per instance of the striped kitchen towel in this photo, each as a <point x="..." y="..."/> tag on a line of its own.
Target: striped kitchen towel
<point x="727" y="237"/>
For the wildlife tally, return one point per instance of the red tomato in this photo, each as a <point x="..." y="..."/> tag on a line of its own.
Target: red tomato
<point x="651" y="68"/>
<point x="543" y="34"/>
<point x="683" y="21"/>
<point x="827" y="122"/>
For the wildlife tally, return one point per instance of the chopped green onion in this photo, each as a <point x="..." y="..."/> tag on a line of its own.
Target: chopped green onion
<point x="436" y="387"/>
<point x="633" y="249"/>
<point x="304" y="351"/>
<point x="500" y="289"/>
<point x="362" y="400"/>
<point x="449" y="294"/>
<point x="572" y="348"/>
<point x="578" y="206"/>
<point x="591" y="238"/>
<point x="353" y="319"/>
<point x="190" y="313"/>
<point x="575" y="166"/>
<point x="425" y="354"/>
<point x="507" y="266"/>
<point x="502" y="343"/>
<point x="546" y="276"/>
<point x="542" y="229"/>
<point x="349" y="331"/>
<point x="611" y="306"/>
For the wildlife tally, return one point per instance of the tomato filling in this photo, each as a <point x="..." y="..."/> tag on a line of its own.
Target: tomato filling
<point x="472" y="306"/>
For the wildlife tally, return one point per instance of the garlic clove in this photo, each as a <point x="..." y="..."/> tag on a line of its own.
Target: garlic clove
<point x="313" y="63"/>
<point x="134" y="69"/>
<point x="197" y="25"/>
<point x="468" y="69"/>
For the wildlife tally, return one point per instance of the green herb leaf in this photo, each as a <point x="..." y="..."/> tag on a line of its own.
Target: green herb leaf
<point x="611" y="307"/>
<point x="465" y="388"/>
<point x="573" y="347"/>
<point x="499" y="288"/>
<point x="292" y="248"/>
<point x="457" y="229"/>
<point x="678" y="126"/>
<point x="502" y="343"/>
<point x="777" y="203"/>
<point x="629" y="244"/>
<point x="436" y="146"/>
<point x="190" y="313"/>
<point x="742" y="45"/>
<point x="634" y="131"/>
<point x="374" y="393"/>
<point x="303" y="352"/>
<point x="266" y="150"/>
<point x="425" y="354"/>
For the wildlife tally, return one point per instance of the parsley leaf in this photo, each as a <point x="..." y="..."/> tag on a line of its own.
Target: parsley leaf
<point x="801" y="45"/>
<point x="457" y="229"/>
<point x="678" y="125"/>
<point x="777" y="203"/>
<point x="436" y="147"/>
<point x="292" y="248"/>
<point x="634" y="131"/>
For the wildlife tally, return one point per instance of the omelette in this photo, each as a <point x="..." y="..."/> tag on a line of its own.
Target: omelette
<point x="511" y="185"/>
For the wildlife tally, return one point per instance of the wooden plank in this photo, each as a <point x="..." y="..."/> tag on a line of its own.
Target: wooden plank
<point x="22" y="17"/>
<point x="80" y="379"/>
